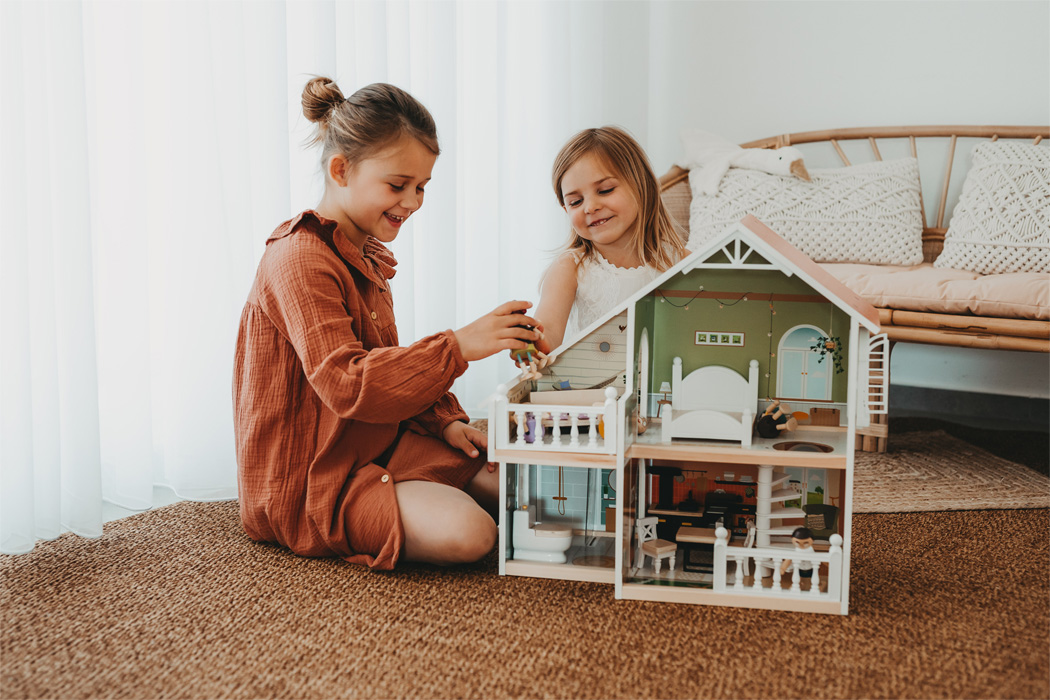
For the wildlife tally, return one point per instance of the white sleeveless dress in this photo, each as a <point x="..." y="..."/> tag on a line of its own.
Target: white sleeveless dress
<point x="600" y="286"/>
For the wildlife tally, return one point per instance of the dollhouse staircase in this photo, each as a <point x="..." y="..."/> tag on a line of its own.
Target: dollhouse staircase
<point x="773" y="491"/>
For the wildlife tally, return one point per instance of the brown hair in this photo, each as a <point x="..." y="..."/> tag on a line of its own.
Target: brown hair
<point x="659" y="239"/>
<point x="359" y="126"/>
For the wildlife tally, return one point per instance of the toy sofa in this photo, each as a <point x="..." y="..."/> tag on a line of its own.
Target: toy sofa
<point x="979" y="280"/>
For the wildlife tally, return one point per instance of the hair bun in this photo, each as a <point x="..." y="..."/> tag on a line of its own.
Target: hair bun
<point x="320" y="96"/>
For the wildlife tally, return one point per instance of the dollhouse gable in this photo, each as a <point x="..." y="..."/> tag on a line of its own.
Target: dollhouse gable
<point x="749" y="245"/>
<point x="739" y="242"/>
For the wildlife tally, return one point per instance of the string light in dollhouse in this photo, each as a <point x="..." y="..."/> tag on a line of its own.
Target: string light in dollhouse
<point x="680" y="306"/>
<point x="772" y="313"/>
<point x="721" y="304"/>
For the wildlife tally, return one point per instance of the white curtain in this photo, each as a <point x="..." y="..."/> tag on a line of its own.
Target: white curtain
<point x="147" y="150"/>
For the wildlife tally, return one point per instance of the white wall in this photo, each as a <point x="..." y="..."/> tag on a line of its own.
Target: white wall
<point x="747" y="70"/>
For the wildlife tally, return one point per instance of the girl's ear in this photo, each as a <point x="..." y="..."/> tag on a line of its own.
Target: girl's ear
<point x="338" y="169"/>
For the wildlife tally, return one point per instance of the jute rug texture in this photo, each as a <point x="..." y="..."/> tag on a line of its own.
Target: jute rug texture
<point x="179" y="603"/>
<point x="928" y="471"/>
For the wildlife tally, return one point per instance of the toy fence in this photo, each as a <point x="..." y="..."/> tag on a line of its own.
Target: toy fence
<point x="775" y="556"/>
<point x="564" y="423"/>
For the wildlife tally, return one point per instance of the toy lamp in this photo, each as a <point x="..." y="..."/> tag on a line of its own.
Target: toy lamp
<point x="665" y="389"/>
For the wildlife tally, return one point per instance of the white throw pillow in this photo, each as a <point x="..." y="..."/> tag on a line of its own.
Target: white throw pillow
<point x="865" y="213"/>
<point x="1002" y="221"/>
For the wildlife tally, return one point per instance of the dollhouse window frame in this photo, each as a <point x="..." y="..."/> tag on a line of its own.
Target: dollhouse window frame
<point x="643" y="374"/>
<point x="782" y="347"/>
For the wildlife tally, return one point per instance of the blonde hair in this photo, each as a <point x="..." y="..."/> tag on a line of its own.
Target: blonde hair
<point x="659" y="239"/>
<point x="361" y="125"/>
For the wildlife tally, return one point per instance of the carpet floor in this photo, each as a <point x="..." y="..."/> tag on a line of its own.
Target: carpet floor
<point x="179" y="603"/>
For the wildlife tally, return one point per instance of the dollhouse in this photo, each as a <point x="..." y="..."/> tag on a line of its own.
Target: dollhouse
<point x="637" y="458"/>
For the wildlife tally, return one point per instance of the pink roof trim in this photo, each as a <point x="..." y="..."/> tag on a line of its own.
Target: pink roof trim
<point x="817" y="273"/>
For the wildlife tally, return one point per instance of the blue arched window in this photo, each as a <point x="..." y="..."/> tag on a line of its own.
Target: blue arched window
<point x="799" y="375"/>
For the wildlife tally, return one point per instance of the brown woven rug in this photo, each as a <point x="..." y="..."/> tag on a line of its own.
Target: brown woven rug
<point x="933" y="471"/>
<point x="179" y="603"/>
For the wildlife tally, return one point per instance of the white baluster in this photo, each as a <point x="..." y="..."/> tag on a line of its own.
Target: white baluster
<point x="556" y="434"/>
<point x="814" y="583"/>
<point x="796" y="577"/>
<point x="757" y="582"/>
<point x="776" y="573"/>
<point x="593" y="417"/>
<point x="574" y="431"/>
<point x="721" y="543"/>
<point x="835" y="567"/>
<point x="610" y="419"/>
<point x="519" y="418"/>
<point x="739" y="583"/>
<point x="499" y="418"/>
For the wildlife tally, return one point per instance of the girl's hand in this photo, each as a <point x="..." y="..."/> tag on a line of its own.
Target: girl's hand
<point x="467" y="438"/>
<point x="498" y="330"/>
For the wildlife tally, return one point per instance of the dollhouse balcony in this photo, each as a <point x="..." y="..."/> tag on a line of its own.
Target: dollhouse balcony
<point x="542" y="427"/>
<point x="759" y="558"/>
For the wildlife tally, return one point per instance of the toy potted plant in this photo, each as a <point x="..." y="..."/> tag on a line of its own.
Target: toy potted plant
<point x="829" y="345"/>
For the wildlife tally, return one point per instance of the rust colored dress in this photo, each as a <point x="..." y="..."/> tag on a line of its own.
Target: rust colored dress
<point x="329" y="411"/>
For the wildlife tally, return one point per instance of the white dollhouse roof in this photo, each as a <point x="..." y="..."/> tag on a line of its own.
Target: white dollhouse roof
<point x="737" y="243"/>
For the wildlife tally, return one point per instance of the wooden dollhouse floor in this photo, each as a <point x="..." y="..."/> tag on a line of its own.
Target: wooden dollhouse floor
<point x="592" y="550"/>
<point x="680" y="577"/>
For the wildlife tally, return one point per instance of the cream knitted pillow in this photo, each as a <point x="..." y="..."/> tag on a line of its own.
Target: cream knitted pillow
<point x="861" y="213"/>
<point x="1002" y="220"/>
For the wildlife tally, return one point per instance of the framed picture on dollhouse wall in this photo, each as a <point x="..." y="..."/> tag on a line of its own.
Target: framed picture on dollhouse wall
<point x="723" y="338"/>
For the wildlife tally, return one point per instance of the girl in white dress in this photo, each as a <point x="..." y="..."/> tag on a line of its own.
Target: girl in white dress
<point x="622" y="237"/>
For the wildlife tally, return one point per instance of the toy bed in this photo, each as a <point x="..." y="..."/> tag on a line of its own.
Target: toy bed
<point x="712" y="403"/>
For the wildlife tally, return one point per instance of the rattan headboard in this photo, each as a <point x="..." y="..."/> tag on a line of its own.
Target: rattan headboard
<point x="674" y="184"/>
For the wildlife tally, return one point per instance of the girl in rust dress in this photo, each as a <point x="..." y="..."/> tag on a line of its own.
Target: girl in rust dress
<point x="348" y="444"/>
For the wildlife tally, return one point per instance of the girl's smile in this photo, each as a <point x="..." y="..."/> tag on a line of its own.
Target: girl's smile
<point x="601" y="208"/>
<point x="375" y="196"/>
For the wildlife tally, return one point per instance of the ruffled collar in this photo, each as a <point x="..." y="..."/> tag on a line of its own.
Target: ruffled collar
<point x="600" y="260"/>
<point x="375" y="260"/>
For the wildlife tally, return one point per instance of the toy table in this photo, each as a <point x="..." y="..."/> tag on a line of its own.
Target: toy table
<point x="693" y="538"/>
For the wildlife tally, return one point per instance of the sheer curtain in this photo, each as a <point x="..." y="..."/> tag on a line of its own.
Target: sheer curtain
<point x="148" y="149"/>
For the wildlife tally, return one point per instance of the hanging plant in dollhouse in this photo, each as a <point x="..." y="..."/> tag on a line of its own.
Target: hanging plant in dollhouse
<point x="829" y="345"/>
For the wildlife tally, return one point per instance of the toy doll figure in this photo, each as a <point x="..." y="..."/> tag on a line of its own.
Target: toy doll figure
<point x="774" y="420"/>
<point x="802" y="538"/>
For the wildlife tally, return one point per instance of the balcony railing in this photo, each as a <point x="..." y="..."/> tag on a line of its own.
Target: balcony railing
<point x="773" y="557"/>
<point x="583" y="429"/>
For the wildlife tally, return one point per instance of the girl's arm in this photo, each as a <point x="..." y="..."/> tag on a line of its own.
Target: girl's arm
<point x="557" y="294"/>
<point x="307" y="300"/>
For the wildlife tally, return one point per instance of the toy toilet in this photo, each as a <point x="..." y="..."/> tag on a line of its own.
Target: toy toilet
<point x="545" y="542"/>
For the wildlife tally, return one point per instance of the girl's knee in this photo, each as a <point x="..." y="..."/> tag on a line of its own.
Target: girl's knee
<point x="475" y="538"/>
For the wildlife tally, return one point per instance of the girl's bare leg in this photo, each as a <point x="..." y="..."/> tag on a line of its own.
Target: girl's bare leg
<point x="484" y="488"/>
<point x="443" y="525"/>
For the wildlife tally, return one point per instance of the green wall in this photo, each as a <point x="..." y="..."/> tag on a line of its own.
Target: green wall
<point x="676" y="327"/>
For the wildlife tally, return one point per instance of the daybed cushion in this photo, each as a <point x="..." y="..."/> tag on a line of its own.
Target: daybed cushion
<point x="1002" y="220"/>
<point x="1024" y="295"/>
<point x="867" y="213"/>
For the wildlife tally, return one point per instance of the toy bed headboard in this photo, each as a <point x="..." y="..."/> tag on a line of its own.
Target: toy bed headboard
<point x="714" y="387"/>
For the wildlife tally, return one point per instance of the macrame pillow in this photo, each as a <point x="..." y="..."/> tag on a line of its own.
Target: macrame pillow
<point x="1002" y="221"/>
<point x="861" y="213"/>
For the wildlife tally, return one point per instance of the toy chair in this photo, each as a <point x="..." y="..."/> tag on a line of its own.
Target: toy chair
<point x="821" y="519"/>
<point x="649" y="545"/>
